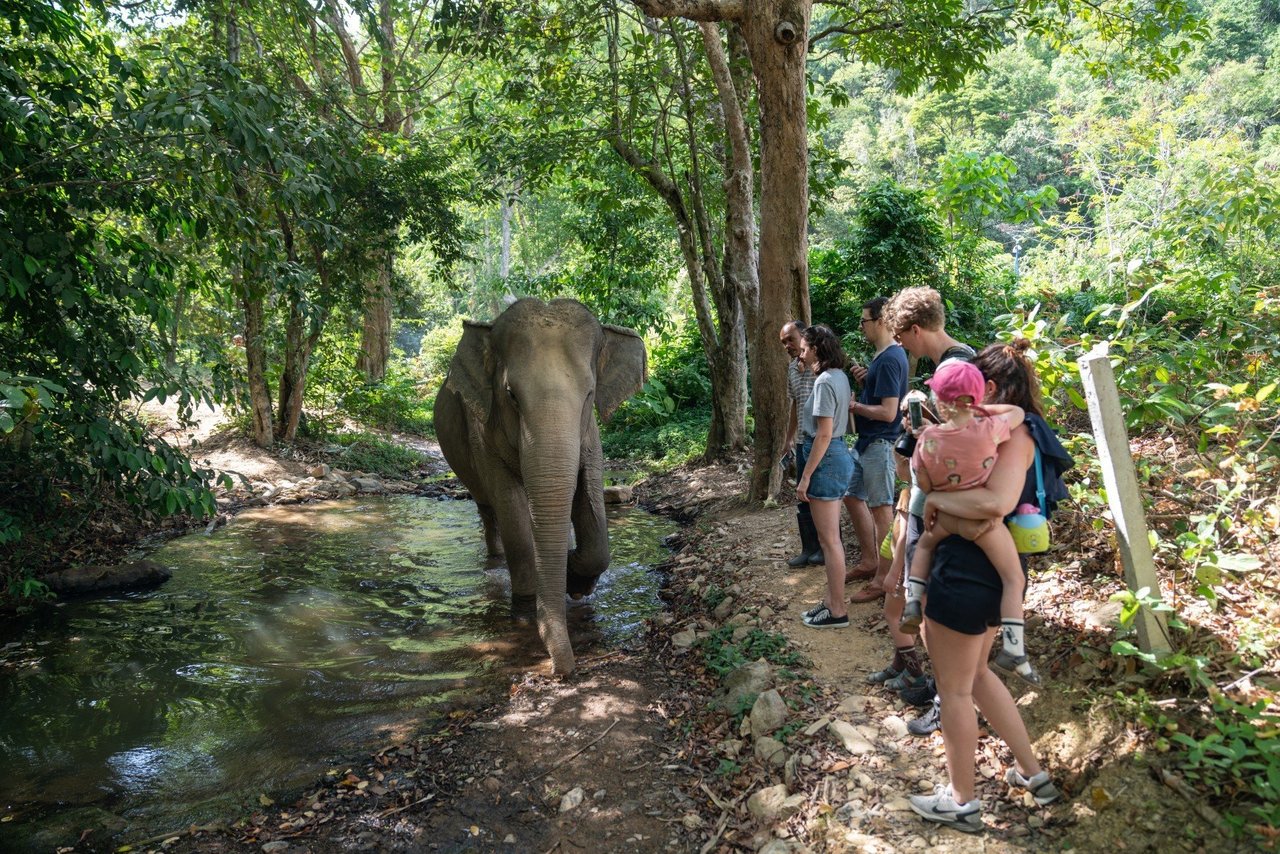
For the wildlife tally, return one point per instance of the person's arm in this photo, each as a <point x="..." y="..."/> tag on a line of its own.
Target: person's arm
<point x="826" y="426"/>
<point x="885" y="410"/>
<point x="999" y="495"/>
<point x="793" y="423"/>
<point x="1012" y="415"/>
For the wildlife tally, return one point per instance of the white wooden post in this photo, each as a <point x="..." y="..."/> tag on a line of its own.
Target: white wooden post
<point x="1121" y="482"/>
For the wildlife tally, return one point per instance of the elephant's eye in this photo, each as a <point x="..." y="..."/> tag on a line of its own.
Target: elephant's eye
<point x="511" y="394"/>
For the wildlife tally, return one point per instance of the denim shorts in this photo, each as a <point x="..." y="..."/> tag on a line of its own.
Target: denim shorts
<point x="830" y="479"/>
<point x="875" y="475"/>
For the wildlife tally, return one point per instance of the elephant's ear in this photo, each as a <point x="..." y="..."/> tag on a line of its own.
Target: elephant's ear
<point x="471" y="371"/>
<point x="621" y="369"/>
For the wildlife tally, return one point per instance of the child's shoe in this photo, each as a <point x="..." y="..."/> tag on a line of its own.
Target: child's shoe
<point x="912" y="617"/>
<point x="1013" y="665"/>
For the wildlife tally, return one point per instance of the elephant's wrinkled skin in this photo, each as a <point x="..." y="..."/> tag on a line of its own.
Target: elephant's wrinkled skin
<point x="514" y="419"/>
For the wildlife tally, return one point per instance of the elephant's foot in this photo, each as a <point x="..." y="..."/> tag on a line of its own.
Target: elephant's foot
<point x="524" y="609"/>
<point x="580" y="585"/>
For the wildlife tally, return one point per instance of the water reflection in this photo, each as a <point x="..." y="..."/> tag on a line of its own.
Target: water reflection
<point x="285" y="641"/>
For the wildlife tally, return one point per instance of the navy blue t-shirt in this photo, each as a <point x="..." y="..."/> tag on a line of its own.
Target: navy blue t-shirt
<point x="886" y="377"/>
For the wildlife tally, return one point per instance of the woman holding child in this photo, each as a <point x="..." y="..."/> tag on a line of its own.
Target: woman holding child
<point x="962" y="613"/>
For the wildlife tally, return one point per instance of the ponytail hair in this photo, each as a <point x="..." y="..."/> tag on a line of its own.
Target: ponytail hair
<point x="1007" y="366"/>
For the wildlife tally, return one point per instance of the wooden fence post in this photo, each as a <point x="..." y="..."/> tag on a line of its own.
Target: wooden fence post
<point x="1121" y="482"/>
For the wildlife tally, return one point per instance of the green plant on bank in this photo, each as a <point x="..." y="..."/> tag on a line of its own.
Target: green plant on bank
<point x="713" y="596"/>
<point x="722" y="656"/>
<point x="1232" y="747"/>
<point x="369" y="453"/>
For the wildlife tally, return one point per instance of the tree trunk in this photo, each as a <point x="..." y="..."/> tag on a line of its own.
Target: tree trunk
<point x="375" y="343"/>
<point x="776" y="32"/>
<point x="504" y="258"/>
<point x="255" y="351"/>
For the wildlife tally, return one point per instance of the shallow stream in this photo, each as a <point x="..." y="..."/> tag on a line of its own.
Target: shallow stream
<point x="292" y="640"/>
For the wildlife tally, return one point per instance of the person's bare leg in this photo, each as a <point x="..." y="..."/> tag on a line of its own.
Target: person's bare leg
<point x="894" y="594"/>
<point x="957" y="658"/>
<point x="882" y="519"/>
<point x="997" y="544"/>
<point x="826" y="516"/>
<point x="1000" y="710"/>
<point x="864" y="530"/>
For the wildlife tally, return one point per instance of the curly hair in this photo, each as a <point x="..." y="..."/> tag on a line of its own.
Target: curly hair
<point x="914" y="307"/>
<point x="827" y="347"/>
<point x="1015" y="378"/>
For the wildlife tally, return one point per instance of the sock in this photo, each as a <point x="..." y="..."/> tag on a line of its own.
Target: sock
<point x="1011" y="632"/>
<point x="916" y="588"/>
<point x="910" y="658"/>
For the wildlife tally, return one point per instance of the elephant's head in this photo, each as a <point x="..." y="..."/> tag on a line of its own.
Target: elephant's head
<point x="532" y="379"/>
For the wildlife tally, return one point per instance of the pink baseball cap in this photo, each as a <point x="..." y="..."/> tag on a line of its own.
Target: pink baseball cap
<point x="955" y="379"/>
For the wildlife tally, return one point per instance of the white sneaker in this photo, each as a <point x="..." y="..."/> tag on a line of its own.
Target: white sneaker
<point x="941" y="807"/>
<point x="1039" y="785"/>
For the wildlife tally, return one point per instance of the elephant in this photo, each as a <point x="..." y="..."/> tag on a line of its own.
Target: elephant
<point x="514" y="420"/>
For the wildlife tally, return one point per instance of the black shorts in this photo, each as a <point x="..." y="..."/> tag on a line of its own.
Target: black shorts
<point x="964" y="588"/>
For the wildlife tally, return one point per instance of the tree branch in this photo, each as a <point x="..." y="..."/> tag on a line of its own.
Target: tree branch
<point x="694" y="10"/>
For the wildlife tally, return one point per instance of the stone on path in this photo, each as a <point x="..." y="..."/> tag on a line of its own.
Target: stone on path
<point x="772" y="751"/>
<point x="746" y="681"/>
<point x="849" y="737"/>
<point x="768" y="714"/>
<point x="572" y="799"/>
<point x="774" y="803"/>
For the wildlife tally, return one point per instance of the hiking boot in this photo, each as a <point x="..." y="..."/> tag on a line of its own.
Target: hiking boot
<point x="1039" y="785"/>
<point x="905" y="679"/>
<point x="1016" y="665"/>
<point x="912" y="616"/>
<point x="920" y="695"/>
<point x="928" y="723"/>
<point x="881" y="676"/>
<point x="798" y="561"/>
<point x="825" y="620"/>
<point x="809" y="548"/>
<point x="941" y="807"/>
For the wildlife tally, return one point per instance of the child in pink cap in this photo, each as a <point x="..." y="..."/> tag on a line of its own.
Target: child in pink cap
<point x="957" y="455"/>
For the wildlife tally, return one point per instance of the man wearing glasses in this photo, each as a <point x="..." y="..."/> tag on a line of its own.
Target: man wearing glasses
<point x="878" y="421"/>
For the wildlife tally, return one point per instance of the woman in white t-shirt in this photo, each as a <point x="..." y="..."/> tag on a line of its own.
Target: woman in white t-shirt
<point x="826" y="466"/>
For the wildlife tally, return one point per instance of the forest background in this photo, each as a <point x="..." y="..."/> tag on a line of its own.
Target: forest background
<point x="287" y="209"/>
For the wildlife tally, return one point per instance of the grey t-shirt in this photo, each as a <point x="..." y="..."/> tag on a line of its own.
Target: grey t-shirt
<point x="830" y="399"/>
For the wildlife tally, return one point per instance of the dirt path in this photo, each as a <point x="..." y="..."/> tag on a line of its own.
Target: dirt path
<point x="633" y="753"/>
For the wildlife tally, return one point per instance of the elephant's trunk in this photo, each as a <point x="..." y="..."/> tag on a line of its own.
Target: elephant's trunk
<point x="549" y="465"/>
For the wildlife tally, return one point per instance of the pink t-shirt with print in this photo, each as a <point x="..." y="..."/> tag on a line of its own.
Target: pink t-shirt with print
<point x="960" y="458"/>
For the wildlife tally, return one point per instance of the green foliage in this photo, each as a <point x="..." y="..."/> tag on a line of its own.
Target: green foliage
<point x="370" y="453"/>
<point x="1237" y="757"/>
<point x="722" y="656"/>
<point x="666" y="422"/>
<point x="896" y="242"/>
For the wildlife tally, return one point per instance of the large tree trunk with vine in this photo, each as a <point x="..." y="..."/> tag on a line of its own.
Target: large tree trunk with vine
<point x="776" y="35"/>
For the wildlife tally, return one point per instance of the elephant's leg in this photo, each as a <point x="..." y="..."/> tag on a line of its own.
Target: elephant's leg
<point x="590" y="556"/>
<point x="511" y="511"/>
<point x="492" y="539"/>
